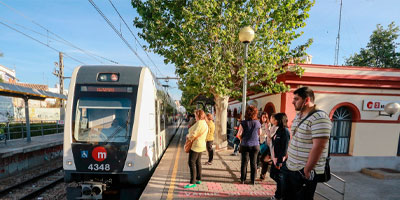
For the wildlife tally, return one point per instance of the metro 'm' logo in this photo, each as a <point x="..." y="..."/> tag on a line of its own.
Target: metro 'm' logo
<point x="99" y="154"/>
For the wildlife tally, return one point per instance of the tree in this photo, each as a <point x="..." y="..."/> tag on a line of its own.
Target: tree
<point x="201" y="38"/>
<point x="381" y="49"/>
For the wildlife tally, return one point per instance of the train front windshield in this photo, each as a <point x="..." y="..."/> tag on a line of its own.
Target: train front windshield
<point x="102" y="120"/>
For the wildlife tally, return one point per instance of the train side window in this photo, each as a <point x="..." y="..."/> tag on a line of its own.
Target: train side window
<point x="162" y="117"/>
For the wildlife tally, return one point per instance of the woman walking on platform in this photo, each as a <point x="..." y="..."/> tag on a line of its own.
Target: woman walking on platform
<point x="210" y="138"/>
<point x="249" y="132"/>
<point x="198" y="133"/>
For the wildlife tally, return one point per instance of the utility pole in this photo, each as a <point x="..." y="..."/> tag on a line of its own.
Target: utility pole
<point x="60" y="74"/>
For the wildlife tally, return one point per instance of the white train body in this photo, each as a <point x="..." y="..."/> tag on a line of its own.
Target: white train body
<point x="118" y="123"/>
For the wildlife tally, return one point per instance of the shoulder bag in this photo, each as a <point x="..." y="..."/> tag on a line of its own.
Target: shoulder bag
<point x="188" y="143"/>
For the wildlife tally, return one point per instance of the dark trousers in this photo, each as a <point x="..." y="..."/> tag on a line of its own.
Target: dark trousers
<point x="249" y="152"/>
<point x="278" y="178"/>
<point x="264" y="164"/>
<point x="295" y="187"/>
<point x="210" y="150"/>
<point x="194" y="166"/>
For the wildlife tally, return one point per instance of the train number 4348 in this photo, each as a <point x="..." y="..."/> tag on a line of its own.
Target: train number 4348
<point x="99" y="167"/>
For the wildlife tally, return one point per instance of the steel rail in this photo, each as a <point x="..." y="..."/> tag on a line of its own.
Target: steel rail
<point x="6" y="191"/>
<point x="42" y="189"/>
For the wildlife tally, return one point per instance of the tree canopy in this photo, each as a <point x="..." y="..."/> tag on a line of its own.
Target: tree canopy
<point x="201" y="38"/>
<point x="381" y="51"/>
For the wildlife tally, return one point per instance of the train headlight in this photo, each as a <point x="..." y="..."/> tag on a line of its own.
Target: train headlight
<point x="83" y="88"/>
<point x="103" y="77"/>
<point x="69" y="162"/>
<point x="129" y="164"/>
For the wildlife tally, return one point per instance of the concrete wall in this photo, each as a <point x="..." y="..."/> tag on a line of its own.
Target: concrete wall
<point x="23" y="161"/>
<point x="371" y="139"/>
<point x="356" y="163"/>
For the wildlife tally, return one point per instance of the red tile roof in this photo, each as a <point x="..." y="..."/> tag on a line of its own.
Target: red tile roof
<point x="33" y="86"/>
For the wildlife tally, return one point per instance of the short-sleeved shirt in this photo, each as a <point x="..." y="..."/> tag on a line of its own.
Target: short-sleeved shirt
<point x="250" y="133"/>
<point x="315" y="126"/>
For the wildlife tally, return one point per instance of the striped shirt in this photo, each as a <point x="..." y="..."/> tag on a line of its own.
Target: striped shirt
<point x="315" y="126"/>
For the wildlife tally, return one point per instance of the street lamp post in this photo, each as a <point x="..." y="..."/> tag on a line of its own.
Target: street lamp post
<point x="246" y="35"/>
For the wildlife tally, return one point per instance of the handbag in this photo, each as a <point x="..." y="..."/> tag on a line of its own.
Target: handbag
<point x="188" y="143"/>
<point x="326" y="176"/>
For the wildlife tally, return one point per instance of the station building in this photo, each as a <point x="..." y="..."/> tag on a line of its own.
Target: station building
<point x="363" y="135"/>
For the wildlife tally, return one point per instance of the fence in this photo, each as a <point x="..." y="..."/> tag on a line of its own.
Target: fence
<point x="17" y="130"/>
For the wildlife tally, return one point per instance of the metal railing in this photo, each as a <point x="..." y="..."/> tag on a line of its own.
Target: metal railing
<point x="333" y="188"/>
<point x="17" y="130"/>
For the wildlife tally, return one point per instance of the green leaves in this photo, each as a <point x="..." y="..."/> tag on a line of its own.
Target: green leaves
<point x="380" y="51"/>
<point x="201" y="38"/>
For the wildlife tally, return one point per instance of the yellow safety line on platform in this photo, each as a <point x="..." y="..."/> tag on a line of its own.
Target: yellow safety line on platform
<point x="172" y="184"/>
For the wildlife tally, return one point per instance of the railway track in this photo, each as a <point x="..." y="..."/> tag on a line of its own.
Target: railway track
<point x="34" y="186"/>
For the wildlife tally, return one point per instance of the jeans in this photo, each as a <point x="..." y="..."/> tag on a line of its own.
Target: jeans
<point x="249" y="152"/>
<point x="279" y="182"/>
<point x="210" y="150"/>
<point x="236" y="144"/>
<point x="194" y="166"/>
<point x="295" y="187"/>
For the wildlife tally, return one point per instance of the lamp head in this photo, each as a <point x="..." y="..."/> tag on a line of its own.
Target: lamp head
<point x="392" y="108"/>
<point x="246" y="34"/>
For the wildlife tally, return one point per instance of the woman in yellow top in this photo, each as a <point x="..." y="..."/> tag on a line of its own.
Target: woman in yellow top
<point x="198" y="132"/>
<point x="210" y="138"/>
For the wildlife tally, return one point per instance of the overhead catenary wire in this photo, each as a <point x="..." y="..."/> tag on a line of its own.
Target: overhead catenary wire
<point x="61" y="40"/>
<point x="116" y="31"/>
<point x="116" y="10"/>
<point x="47" y="45"/>
<point x="26" y="28"/>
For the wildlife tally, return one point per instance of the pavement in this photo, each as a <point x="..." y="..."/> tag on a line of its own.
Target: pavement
<point x="221" y="180"/>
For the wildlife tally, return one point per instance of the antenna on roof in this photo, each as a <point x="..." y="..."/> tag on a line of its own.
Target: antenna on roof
<point x="338" y="36"/>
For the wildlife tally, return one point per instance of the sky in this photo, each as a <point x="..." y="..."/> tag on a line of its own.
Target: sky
<point x="78" y="22"/>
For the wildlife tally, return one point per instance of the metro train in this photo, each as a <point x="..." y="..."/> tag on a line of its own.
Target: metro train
<point x="118" y="123"/>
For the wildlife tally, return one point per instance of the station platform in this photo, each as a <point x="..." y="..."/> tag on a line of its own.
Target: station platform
<point x="19" y="155"/>
<point x="18" y="146"/>
<point x="219" y="180"/>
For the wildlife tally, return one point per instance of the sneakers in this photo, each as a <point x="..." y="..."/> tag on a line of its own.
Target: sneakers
<point x="189" y="186"/>
<point x="198" y="182"/>
<point x="235" y="154"/>
<point x="208" y="163"/>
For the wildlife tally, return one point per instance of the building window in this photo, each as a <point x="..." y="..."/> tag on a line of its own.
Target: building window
<point x="341" y="129"/>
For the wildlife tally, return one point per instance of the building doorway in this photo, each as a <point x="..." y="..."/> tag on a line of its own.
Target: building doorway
<point x="341" y="130"/>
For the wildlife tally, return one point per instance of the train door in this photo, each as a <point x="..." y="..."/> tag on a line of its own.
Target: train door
<point x="158" y="135"/>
